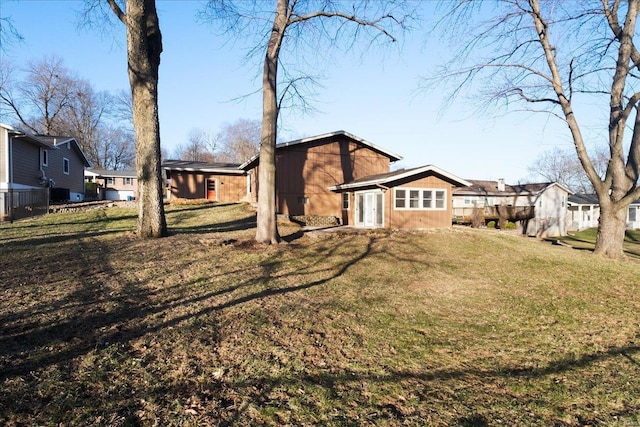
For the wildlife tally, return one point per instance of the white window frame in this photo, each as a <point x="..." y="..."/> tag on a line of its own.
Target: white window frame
<point x="411" y="203"/>
<point x="109" y="180"/>
<point x="66" y="166"/>
<point x="45" y="157"/>
<point x="128" y="181"/>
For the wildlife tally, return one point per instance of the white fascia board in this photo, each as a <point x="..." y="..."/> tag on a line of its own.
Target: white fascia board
<point x="407" y="174"/>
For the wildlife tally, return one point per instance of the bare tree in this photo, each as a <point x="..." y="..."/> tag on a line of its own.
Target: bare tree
<point x="119" y="152"/>
<point x="239" y="141"/>
<point x="560" y="58"/>
<point x="144" y="46"/>
<point x="51" y="100"/>
<point x="300" y="24"/>
<point x="41" y="98"/>
<point x="201" y="147"/>
<point x="8" y="33"/>
<point x="562" y="166"/>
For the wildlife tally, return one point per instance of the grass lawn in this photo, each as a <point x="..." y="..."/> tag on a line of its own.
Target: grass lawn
<point x="586" y="239"/>
<point x="204" y="327"/>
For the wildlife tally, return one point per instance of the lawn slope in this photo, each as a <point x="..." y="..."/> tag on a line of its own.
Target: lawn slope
<point x="204" y="327"/>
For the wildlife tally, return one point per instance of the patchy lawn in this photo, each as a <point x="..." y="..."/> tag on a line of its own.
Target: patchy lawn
<point x="205" y="327"/>
<point x="586" y="239"/>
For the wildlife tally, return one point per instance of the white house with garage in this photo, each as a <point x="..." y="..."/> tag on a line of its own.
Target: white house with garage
<point x="114" y="185"/>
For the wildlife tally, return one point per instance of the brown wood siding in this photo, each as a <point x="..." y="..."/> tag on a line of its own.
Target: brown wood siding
<point x="417" y="219"/>
<point x="26" y="163"/>
<point x="187" y="185"/>
<point x="191" y="185"/>
<point x="306" y="170"/>
<point x="231" y="188"/>
<point x="4" y="149"/>
<point x="74" y="181"/>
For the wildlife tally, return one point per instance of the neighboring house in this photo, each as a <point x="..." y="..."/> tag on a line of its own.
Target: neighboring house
<point x="584" y="212"/>
<point x="114" y="185"/>
<point x="35" y="169"/>
<point x="220" y="182"/>
<point x="341" y="176"/>
<point x="63" y="163"/>
<point x="539" y="208"/>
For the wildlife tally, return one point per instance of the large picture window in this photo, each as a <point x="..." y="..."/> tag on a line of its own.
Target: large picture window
<point x="420" y="199"/>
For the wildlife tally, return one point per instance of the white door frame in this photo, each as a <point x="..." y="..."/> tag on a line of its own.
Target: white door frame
<point x="372" y="215"/>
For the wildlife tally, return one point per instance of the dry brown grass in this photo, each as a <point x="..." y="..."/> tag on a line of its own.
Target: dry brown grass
<point x="377" y="328"/>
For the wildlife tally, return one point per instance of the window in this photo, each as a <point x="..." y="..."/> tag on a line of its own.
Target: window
<point x="427" y="200"/>
<point x="303" y="200"/>
<point x="128" y="181"/>
<point x="420" y="199"/>
<point x="440" y="204"/>
<point x="414" y="199"/>
<point x="345" y="201"/>
<point x="109" y="180"/>
<point x="632" y="214"/>
<point x="401" y="203"/>
<point x="65" y="165"/>
<point x="45" y="158"/>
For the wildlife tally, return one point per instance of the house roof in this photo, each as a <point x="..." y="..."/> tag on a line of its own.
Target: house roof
<point x="401" y="174"/>
<point x="392" y="156"/>
<point x="190" y="166"/>
<point x="104" y="173"/>
<point x="583" y="199"/>
<point x="590" y="199"/>
<point x="27" y="136"/>
<point x="58" y="141"/>
<point x="490" y="188"/>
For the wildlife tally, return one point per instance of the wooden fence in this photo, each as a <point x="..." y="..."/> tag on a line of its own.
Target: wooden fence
<point x="19" y="204"/>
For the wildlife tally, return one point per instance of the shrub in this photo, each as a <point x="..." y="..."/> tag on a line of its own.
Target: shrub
<point x="510" y="226"/>
<point x="491" y="224"/>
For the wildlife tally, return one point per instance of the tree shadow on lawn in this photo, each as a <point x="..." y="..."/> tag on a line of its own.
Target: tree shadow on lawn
<point x="53" y="331"/>
<point x="425" y="383"/>
<point x="215" y="227"/>
<point x="110" y="307"/>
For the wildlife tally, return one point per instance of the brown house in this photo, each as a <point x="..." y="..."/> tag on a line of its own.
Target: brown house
<point x="220" y="182"/>
<point x="336" y="177"/>
<point x="339" y="175"/>
<point x="411" y="199"/>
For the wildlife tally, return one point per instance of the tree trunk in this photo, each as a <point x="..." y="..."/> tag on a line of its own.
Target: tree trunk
<point x="267" y="226"/>
<point x="144" y="45"/>
<point x="611" y="230"/>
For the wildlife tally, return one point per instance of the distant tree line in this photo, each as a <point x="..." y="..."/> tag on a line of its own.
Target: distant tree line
<point x="46" y="98"/>
<point x="235" y="143"/>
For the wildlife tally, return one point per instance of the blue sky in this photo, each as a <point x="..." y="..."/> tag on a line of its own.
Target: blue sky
<point x="374" y="96"/>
